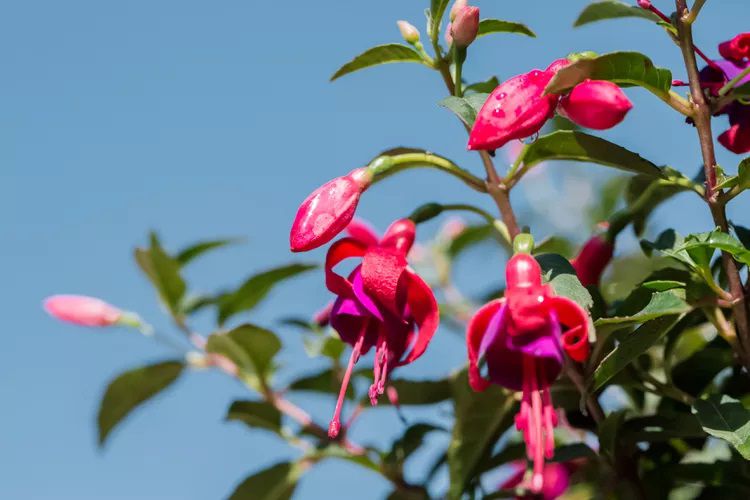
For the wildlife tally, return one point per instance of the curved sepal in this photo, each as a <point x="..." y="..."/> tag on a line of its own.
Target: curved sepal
<point x="474" y="333"/>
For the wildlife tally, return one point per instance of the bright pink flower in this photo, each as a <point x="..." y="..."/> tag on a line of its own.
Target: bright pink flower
<point x="82" y="310"/>
<point x="556" y="477"/>
<point x="465" y="26"/>
<point x="595" y="104"/>
<point x="592" y="259"/>
<point x="736" y="139"/>
<point x="517" y="108"/>
<point x="520" y="338"/>
<point x="382" y="304"/>
<point x="736" y="49"/>
<point x="328" y="210"/>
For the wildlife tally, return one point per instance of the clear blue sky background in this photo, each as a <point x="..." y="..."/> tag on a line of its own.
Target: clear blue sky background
<point x="203" y="119"/>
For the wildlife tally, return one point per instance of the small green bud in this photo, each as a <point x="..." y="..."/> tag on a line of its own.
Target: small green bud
<point x="523" y="243"/>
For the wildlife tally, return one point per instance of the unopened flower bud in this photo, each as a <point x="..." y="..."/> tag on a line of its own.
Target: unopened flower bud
<point x="408" y="31"/>
<point x="82" y="310"/>
<point x="328" y="210"/>
<point x="465" y="26"/>
<point x="592" y="260"/>
<point x="595" y="104"/>
<point x="457" y="6"/>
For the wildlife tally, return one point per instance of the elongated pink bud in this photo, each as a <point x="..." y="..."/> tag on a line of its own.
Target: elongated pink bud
<point x="595" y="104"/>
<point x="516" y="109"/>
<point x="465" y="26"/>
<point x="82" y="310"/>
<point x="592" y="260"/>
<point x="457" y="6"/>
<point x="328" y="210"/>
<point x="408" y="31"/>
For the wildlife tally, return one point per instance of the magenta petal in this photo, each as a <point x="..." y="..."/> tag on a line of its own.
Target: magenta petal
<point x="349" y="318"/>
<point x="731" y="69"/>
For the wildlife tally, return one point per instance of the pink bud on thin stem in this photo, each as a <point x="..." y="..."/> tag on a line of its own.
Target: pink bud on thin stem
<point x="465" y="26"/>
<point x="328" y="210"/>
<point x="82" y="310"/>
<point x="595" y="104"/>
<point x="457" y="6"/>
<point x="408" y="31"/>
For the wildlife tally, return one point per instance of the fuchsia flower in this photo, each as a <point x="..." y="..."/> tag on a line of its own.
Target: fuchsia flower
<point x="382" y="304"/>
<point x="328" y="210"/>
<point x="82" y="310"/>
<point x="556" y="477"/>
<point x="520" y="338"/>
<point x="715" y="76"/>
<point x="595" y="104"/>
<point x="465" y="26"/>
<point x="592" y="259"/>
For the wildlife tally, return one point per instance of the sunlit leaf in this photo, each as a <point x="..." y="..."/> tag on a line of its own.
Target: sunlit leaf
<point x="131" y="389"/>
<point x="250" y="347"/>
<point x="484" y="87"/>
<point x="466" y="108"/>
<point x="661" y="304"/>
<point x="260" y="414"/>
<point x="164" y="273"/>
<point x="725" y="418"/>
<point x="559" y="273"/>
<point x="277" y="482"/>
<point x="612" y="9"/>
<point x="488" y="26"/>
<point x="382" y="54"/>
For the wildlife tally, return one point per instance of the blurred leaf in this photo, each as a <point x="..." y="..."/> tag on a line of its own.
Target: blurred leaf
<point x="609" y="197"/>
<point x="573" y="451"/>
<point x="717" y="239"/>
<point x="635" y="344"/>
<point x="645" y="193"/>
<point x="194" y="251"/>
<point x="250" y="347"/>
<point x="665" y="303"/>
<point x="663" y="427"/>
<point x="326" y="381"/>
<point x="421" y="392"/>
<point x="611" y="9"/>
<point x="622" y="68"/>
<point x="487" y="26"/>
<point x="742" y="179"/>
<point x="336" y="451"/>
<point x="480" y="418"/>
<point x="255" y="289"/>
<point x="409" y="493"/>
<point x="559" y="273"/>
<point x="164" y="273"/>
<point x="484" y="87"/>
<point x="470" y="236"/>
<point x="466" y="108"/>
<point x="277" y="482"/>
<point x="404" y="446"/>
<point x="260" y="414"/>
<point x="554" y="244"/>
<point x="194" y="303"/>
<point x="382" y="54"/>
<point x="742" y="91"/>
<point x="579" y="146"/>
<point x="725" y="418"/>
<point x="694" y="374"/>
<point x="132" y="388"/>
<point x="324" y="345"/>
<point x="609" y="430"/>
<point x="437" y="11"/>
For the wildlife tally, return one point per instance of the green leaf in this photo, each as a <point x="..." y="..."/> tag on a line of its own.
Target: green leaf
<point x="132" y="388"/>
<point x="260" y="414"/>
<point x="717" y="239"/>
<point x="382" y="54"/>
<point x="437" y="11"/>
<point x="337" y="452"/>
<point x="484" y="87"/>
<point x="487" y="26"/>
<point x="420" y="392"/>
<point x="407" y="444"/>
<point x="635" y="344"/>
<point x="611" y="9"/>
<point x="608" y="432"/>
<point x="661" y="427"/>
<point x="579" y="146"/>
<point x="658" y="191"/>
<point x="326" y="381"/>
<point x="622" y="68"/>
<point x="196" y="250"/>
<point x="725" y="418"/>
<point x="665" y="303"/>
<point x="559" y="273"/>
<point x="466" y="108"/>
<point x="256" y="288"/>
<point x="250" y="347"/>
<point x="164" y="273"/>
<point x="469" y="237"/>
<point x="277" y="482"/>
<point x="480" y="418"/>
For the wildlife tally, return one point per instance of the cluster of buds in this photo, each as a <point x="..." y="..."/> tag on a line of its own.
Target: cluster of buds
<point x="519" y="107"/>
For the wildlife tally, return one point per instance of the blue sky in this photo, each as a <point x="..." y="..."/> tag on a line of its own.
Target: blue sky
<point x="205" y="119"/>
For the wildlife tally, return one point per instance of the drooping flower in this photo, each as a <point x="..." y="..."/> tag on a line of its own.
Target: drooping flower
<point x="595" y="104"/>
<point x="520" y="339"/>
<point x="736" y="49"/>
<point x="328" y="210"/>
<point x="465" y="26"/>
<point x="382" y="304"/>
<point x="82" y="310"/>
<point x="593" y="258"/>
<point x="516" y="109"/>
<point x="556" y="477"/>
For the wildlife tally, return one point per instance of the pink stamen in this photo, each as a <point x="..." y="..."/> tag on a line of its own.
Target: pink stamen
<point x="335" y="426"/>
<point x="536" y="420"/>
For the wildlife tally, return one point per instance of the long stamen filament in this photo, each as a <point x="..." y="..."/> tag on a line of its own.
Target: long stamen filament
<point x="335" y="425"/>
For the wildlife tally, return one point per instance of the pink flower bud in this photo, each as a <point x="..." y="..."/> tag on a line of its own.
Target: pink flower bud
<point x="736" y="139"/>
<point x="595" y="104"/>
<point x="516" y="109"/>
<point x="82" y="310"/>
<point x="449" y="35"/>
<point x="328" y="210"/>
<point x="592" y="260"/>
<point x="457" y="6"/>
<point x="465" y="26"/>
<point x="408" y="31"/>
<point x="736" y="49"/>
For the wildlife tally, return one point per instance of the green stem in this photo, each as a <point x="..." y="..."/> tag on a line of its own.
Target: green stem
<point x="385" y="166"/>
<point x="499" y="225"/>
<point x="693" y="15"/>
<point x="734" y="81"/>
<point x="459" y="56"/>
